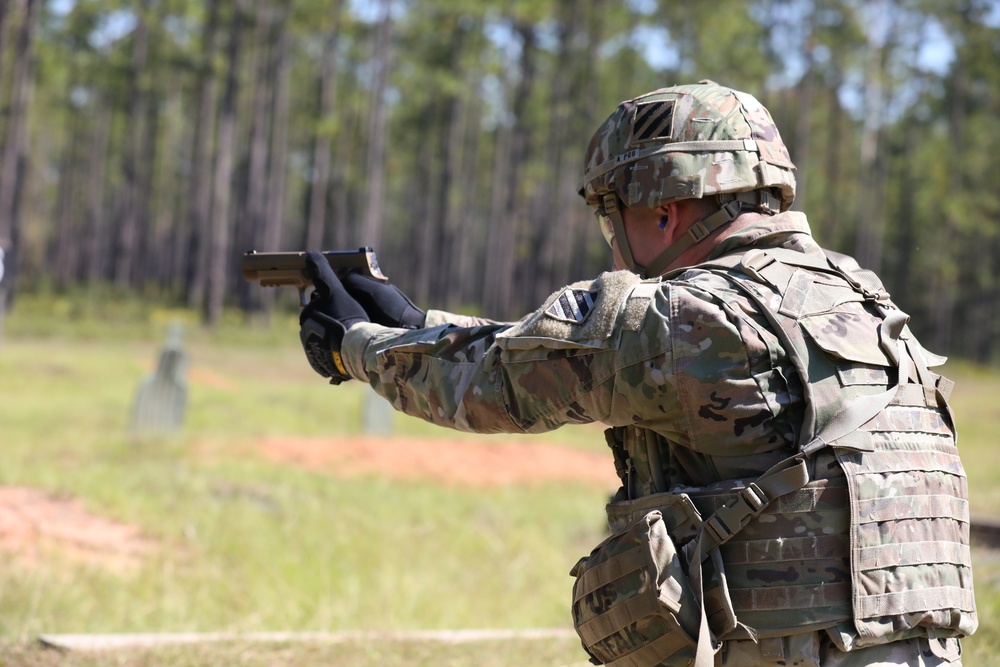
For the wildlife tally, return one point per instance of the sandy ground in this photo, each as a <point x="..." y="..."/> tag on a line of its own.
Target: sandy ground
<point x="35" y="523"/>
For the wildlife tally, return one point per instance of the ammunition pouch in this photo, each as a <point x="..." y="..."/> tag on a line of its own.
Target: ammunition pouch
<point x="633" y="604"/>
<point x="646" y="595"/>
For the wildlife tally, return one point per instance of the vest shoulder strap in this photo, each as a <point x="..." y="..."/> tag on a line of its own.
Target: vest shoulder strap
<point x="776" y="267"/>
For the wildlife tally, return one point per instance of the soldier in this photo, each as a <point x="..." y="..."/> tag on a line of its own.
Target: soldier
<point x="791" y="489"/>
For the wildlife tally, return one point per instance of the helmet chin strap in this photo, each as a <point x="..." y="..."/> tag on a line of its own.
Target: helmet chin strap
<point x="731" y="206"/>
<point x="612" y="209"/>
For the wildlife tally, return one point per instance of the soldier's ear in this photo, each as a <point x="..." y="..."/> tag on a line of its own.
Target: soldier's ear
<point x="664" y="212"/>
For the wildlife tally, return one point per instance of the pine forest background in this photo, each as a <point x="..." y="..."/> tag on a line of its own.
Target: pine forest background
<point x="145" y="144"/>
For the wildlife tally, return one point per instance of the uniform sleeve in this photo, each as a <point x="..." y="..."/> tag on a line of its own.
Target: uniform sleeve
<point x="439" y="317"/>
<point x="584" y="356"/>
<point x="446" y="374"/>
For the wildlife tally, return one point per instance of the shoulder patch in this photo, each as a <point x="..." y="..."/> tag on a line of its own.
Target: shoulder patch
<point x="584" y="314"/>
<point x="573" y="306"/>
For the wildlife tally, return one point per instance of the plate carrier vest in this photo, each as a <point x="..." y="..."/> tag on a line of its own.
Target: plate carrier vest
<point x="896" y="499"/>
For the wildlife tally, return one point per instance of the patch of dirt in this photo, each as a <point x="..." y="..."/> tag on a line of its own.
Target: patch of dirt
<point x="449" y="461"/>
<point x="34" y="523"/>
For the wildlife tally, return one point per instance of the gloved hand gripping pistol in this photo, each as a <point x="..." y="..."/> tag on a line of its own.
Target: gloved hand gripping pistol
<point x="288" y="269"/>
<point x="348" y="288"/>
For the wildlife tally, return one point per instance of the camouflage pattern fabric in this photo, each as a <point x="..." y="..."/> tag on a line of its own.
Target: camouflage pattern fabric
<point x="687" y="142"/>
<point x="911" y="571"/>
<point x="789" y="569"/>
<point x="675" y="358"/>
<point x="702" y="391"/>
<point x="632" y="601"/>
<point x="912" y="564"/>
<point x="436" y="318"/>
<point x="813" y="649"/>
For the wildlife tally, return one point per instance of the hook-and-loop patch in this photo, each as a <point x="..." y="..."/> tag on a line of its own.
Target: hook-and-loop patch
<point x="573" y="305"/>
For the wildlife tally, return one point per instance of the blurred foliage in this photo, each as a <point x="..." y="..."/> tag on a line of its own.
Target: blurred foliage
<point x="888" y="109"/>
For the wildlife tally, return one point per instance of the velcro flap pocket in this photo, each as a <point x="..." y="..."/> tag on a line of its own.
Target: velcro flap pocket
<point x="679" y="514"/>
<point x="632" y="600"/>
<point x="851" y="334"/>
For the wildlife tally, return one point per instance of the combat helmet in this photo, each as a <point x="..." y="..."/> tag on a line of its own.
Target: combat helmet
<point x="686" y="142"/>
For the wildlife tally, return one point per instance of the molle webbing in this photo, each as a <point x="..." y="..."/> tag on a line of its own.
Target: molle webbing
<point x="910" y="566"/>
<point x="793" y="558"/>
<point x="789" y="569"/>
<point x="632" y="604"/>
<point x="881" y="551"/>
<point x="910" y="529"/>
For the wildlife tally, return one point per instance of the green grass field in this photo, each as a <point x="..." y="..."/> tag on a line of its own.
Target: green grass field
<point x="242" y="544"/>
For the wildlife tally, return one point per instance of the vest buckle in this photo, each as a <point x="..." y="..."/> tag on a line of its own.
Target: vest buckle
<point x="754" y="498"/>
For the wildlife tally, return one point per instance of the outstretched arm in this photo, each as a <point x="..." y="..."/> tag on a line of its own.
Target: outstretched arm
<point x="537" y="375"/>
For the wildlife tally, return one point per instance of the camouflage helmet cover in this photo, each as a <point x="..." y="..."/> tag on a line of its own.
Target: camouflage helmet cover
<point x="687" y="142"/>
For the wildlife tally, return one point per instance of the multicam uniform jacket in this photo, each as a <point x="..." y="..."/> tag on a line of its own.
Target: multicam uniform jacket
<point x="700" y="390"/>
<point x="672" y="357"/>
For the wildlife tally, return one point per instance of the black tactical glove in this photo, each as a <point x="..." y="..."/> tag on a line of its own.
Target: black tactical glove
<point x="326" y="318"/>
<point x="384" y="302"/>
